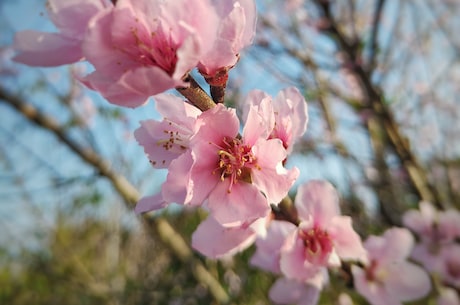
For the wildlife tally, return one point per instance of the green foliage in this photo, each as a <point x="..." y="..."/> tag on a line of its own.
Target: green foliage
<point x="93" y="261"/>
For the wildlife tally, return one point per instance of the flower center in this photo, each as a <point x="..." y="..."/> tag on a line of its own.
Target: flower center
<point x="157" y="50"/>
<point x="318" y="245"/>
<point x="235" y="161"/>
<point x="453" y="268"/>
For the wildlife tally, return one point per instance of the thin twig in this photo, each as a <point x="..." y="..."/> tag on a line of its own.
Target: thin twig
<point x="374" y="98"/>
<point x="196" y="95"/>
<point x="374" y="35"/>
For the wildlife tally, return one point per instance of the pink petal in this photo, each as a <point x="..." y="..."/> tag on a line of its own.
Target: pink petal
<point x="288" y="291"/>
<point x="317" y="199"/>
<point x="99" y="49"/>
<point x="213" y="240"/>
<point x="259" y="123"/>
<point x="449" y="225"/>
<point x="72" y="16"/>
<point x="375" y="293"/>
<point x="203" y="172"/>
<point x="291" y="116"/>
<point x="346" y="241"/>
<point x="270" y="176"/>
<point x="174" y="108"/>
<point x="420" y="221"/>
<point x="133" y="88"/>
<point x="211" y="122"/>
<point x="241" y="205"/>
<point x="267" y="255"/>
<point x="406" y="281"/>
<point x="150" y="203"/>
<point x="293" y="263"/>
<point x="395" y="245"/>
<point x="177" y="187"/>
<point x="46" y="49"/>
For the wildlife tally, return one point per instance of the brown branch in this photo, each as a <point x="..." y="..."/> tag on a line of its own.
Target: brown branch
<point x="375" y="100"/>
<point x="374" y="35"/>
<point x="126" y="190"/>
<point x="196" y="95"/>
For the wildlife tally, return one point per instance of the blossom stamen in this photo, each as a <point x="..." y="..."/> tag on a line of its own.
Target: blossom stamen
<point x="235" y="161"/>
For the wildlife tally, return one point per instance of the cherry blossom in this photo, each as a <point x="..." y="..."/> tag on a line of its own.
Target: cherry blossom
<point x="302" y="252"/>
<point x="290" y="112"/>
<point x="165" y="141"/>
<point x="323" y="236"/>
<point x="449" y="268"/>
<point x="268" y="247"/>
<point x="144" y="47"/>
<point x="234" y="174"/>
<point x="216" y="241"/>
<point x="236" y="31"/>
<point x="433" y="227"/>
<point x="437" y="231"/>
<point x="71" y="17"/>
<point x="387" y="278"/>
<point x="289" y="291"/>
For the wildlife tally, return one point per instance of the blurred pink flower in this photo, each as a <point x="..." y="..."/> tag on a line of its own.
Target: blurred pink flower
<point x="71" y="17"/>
<point x="268" y="247"/>
<point x="449" y="270"/>
<point x="437" y="230"/>
<point x="289" y="291"/>
<point x="433" y="227"/>
<point x="323" y="236"/>
<point x="236" y="31"/>
<point x="216" y="241"/>
<point x="387" y="278"/>
<point x="290" y="114"/>
<point x="144" y="47"/>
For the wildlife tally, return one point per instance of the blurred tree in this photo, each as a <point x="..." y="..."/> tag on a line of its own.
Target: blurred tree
<point x="381" y="79"/>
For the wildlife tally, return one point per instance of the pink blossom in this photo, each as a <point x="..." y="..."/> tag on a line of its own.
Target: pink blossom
<point x="290" y="113"/>
<point x="236" y="31"/>
<point x="165" y="141"/>
<point x="216" y="241"/>
<point x="433" y="227"/>
<point x="437" y="231"/>
<point x="71" y="17"/>
<point x="449" y="269"/>
<point x="238" y="176"/>
<point x="235" y="170"/>
<point x="268" y="247"/>
<point x="323" y="236"/>
<point x="387" y="278"/>
<point x="144" y="47"/>
<point x="289" y="291"/>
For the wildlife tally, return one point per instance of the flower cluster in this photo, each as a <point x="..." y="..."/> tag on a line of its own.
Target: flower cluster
<point x="234" y="176"/>
<point x="302" y="252"/>
<point x="142" y="48"/>
<point x="235" y="167"/>
<point x="438" y="248"/>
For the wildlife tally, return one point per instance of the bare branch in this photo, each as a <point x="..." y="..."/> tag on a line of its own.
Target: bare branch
<point x="375" y="100"/>
<point x="374" y="35"/>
